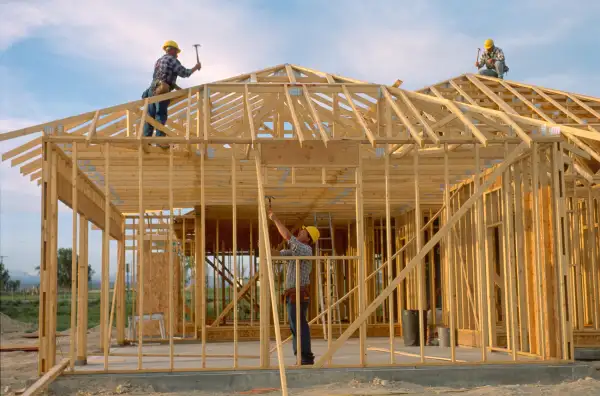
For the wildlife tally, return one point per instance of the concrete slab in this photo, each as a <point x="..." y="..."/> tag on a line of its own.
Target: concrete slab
<point x="587" y="353"/>
<point x="249" y="352"/>
<point x="228" y="382"/>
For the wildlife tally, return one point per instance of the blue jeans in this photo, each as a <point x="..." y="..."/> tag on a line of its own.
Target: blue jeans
<point x="158" y="111"/>
<point x="498" y="70"/>
<point x="306" y="354"/>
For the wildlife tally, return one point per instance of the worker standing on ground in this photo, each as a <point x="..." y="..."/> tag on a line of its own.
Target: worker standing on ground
<point x="166" y="70"/>
<point x="493" y="59"/>
<point x="298" y="246"/>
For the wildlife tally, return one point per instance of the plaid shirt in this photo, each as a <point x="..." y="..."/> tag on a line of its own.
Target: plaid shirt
<point x="167" y="68"/>
<point x="297" y="248"/>
<point x="496" y="54"/>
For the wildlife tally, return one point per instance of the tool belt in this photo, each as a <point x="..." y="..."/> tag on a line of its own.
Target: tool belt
<point x="291" y="293"/>
<point x="160" y="87"/>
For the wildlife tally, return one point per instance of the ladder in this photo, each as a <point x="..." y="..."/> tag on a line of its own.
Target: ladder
<point x="326" y="247"/>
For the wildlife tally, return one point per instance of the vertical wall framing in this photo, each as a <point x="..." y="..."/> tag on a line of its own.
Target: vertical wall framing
<point x="471" y="313"/>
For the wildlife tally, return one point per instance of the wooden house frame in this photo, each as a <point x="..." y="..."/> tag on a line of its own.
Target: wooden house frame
<point x="501" y="178"/>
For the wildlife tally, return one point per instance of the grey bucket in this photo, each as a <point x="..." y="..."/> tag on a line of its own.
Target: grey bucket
<point x="444" y="336"/>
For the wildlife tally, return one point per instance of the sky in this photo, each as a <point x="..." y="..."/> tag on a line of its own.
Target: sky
<point x="65" y="57"/>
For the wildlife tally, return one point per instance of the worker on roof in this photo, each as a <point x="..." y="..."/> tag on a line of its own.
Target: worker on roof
<point x="493" y="60"/>
<point x="166" y="70"/>
<point x="298" y="246"/>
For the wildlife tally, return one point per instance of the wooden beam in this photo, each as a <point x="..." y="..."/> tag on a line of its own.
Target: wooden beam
<point x="315" y="116"/>
<point x="490" y="94"/>
<point x="449" y="259"/>
<point x="92" y="129"/>
<point x="537" y="241"/>
<point x="388" y="249"/>
<point x="82" y="291"/>
<point x="481" y="260"/>
<point x="200" y="264"/>
<point x="22" y="148"/>
<point x="249" y="116"/>
<point x="421" y="263"/>
<point x="403" y="118"/>
<point x="290" y="74"/>
<point x="417" y="113"/>
<point x="74" y="257"/>
<point x="105" y="287"/>
<point x="140" y="129"/>
<point x="295" y="121"/>
<point x="358" y="115"/>
<point x="140" y="245"/>
<point x="41" y="384"/>
<point x="267" y="247"/>
<point x="456" y="111"/>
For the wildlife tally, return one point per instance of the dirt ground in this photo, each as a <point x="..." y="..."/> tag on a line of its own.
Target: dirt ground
<point x="16" y="368"/>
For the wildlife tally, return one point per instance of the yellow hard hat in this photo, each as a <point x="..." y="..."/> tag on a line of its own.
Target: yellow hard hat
<point x="313" y="232"/>
<point x="171" y="43"/>
<point x="489" y="43"/>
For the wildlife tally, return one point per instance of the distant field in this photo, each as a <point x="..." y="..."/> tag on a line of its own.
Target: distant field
<point x="25" y="308"/>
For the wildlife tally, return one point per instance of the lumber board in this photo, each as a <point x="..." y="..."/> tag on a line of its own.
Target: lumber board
<point x="42" y="383"/>
<point x="311" y="153"/>
<point x="19" y="348"/>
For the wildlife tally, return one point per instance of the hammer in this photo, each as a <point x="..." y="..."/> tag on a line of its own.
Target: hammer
<point x="269" y="197"/>
<point x="478" y="51"/>
<point x="197" y="57"/>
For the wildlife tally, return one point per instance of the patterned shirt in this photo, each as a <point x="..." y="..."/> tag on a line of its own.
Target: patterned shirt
<point x="496" y="54"/>
<point x="297" y="248"/>
<point x="167" y="68"/>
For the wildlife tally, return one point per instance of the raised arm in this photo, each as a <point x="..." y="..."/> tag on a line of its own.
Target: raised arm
<point x="283" y="231"/>
<point x="181" y="71"/>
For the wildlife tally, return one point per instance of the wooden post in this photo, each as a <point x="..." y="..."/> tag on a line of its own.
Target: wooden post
<point x="483" y="296"/>
<point x="265" y="233"/>
<point x="450" y="260"/>
<point x="361" y="260"/>
<point x="133" y="276"/>
<point x="171" y="263"/>
<point x="388" y="248"/>
<point x="509" y="273"/>
<point x="520" y="263"/>
<point x="420" y="277"/>
<point x="105" y="290"/>
<point x="537" y="241"/>
<point x="265" y="333"/>
<point x="82" y="293"/>
<point x="120" y="289"/>
<point x="48" y="259"/>
<point x="200" y="246"/>
<point x="234" y="249"/>
<point x="74" y="207"/>
<point x="142" y="226"/>
<point x="298" y="306"/>
<point x="252" y="287"/>
<point x="565" y="305"/>
<point x="217" y="272"/>
<point x="330" y="312"/>
<point x="593" y="264"/>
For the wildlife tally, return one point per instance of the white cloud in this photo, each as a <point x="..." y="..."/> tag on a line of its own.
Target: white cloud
<point x="19" y="20"/>
<point x="128" y="35"/>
